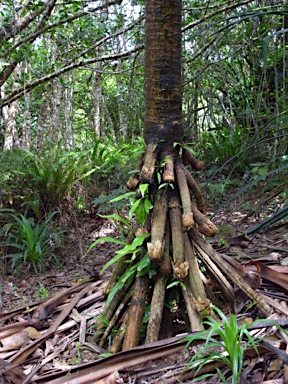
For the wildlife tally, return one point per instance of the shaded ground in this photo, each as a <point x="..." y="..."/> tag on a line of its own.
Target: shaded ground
<point x="271" y="245"/>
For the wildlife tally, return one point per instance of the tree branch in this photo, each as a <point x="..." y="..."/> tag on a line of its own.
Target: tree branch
<point x="37" y="32"/>
<point x="13" y="30"/>
<point x="17" y="93"/>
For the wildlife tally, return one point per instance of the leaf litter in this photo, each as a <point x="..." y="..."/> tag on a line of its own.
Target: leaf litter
<point x="48" y="339"/>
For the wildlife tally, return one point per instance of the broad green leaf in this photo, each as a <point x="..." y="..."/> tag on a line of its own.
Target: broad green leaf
<point x="111" y="262"/>
<point x="143" y="263"/>
<point x="128" y="276"/>
<point x="130" y="248"/>
<point x="143" y="189"/>
<point x="141" y="213"/>
<point x="134" y="206"/>
<point x="147" y="205"/>
<point x="124" y="196"/>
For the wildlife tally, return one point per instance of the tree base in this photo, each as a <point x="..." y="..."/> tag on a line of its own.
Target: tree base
<point x="176" y="224"/>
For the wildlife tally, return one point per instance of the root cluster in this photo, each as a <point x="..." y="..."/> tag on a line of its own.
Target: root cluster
<point x="176" y="225"/>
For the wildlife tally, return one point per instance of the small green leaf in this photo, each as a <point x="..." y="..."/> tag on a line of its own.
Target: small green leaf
<point x="143" y="263"/>
<point x="143" y="189"/>
<point x="132" y="209"/>
<point x="147" y="205"/>
<point x="173" y="284"/>
<point x="116" y="217"/>
<point x="140" y="213"/>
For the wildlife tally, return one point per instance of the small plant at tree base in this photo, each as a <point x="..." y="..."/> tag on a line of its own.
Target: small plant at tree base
<point x="139" y="263"/>
<point x="225" y="341"/>
<point x="34" y="242"/>
<point x="42" y="292"/>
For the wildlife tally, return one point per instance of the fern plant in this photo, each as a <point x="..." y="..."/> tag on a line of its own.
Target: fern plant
<point x="55" y="174"/>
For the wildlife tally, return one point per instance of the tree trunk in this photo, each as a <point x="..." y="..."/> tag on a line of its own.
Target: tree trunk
<point x="26" y="126"/>
<point x="175" y="221"/>
<point x="55" y="127"/>
<point x="44" y="120"/>
<point x="163" y="90"/>
<point x="96" y="91"/>
<point x="11" y="138"/>
<point x="67" y="129"/>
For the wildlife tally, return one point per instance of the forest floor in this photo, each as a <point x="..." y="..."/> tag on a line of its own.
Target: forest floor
<point x="65" y="348"/>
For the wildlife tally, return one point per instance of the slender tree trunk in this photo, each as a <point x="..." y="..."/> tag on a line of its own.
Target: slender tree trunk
<point x="96" y="91"/>
<point x="11" y="138"/>
<point x="163" y="90"/>
<point x="44" y="121"/>
<point x="175" y="221"/>
<point x="67" y="130"/>
<point x="26" y="130"/>
<point x="10" y="135"/>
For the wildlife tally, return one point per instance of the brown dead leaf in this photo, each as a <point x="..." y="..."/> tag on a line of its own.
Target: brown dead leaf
<point x="11" y="374"/>
<point x="15" y="341"/>
<point x="114" y="378"/>
<point x="32" y="332"/>
<point x="8" y="330"/>
<point x="275" y="365"/>
<point x="270" y="274"/>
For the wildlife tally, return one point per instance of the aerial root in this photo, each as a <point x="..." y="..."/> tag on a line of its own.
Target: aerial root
<point x="193" y="314"/>
<point x="174" y="224"/>
<point x="189" y="159"/>
<point x="147" y="170"/>
<point x="155" y="247"/>
<point x="179" y="265"/>
<point x="213" y="260"/>
<point x="187" y="215"/>
<point x="136" y="312"/>
<point x="115" y="318"/>
<point x="157" y="305"/>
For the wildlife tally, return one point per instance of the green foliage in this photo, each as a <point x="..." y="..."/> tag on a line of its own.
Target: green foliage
<point x="278" y="173"/>
<point x="138" y="267"/>
<point x="114" y="160"/>
<point x="225" y="341"/>
<point x="281" y="214"/>
<point x="42" y="292"/>
<point x="30" y="243"/>
<point x="138" y="263"/>
<point x="224" y="145"/>
<point x="43" y="182"/>
<point x="106" y="203"/>
<point x="141" y="207"/>
<point x="55" y="174"/>
<point x="133" y="249"/>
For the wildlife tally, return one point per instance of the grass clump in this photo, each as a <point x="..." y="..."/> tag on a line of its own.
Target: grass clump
<point x="225" y="341"/>
<point x="27" y="242"/>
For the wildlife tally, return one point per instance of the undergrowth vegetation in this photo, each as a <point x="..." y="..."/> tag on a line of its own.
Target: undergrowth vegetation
<point x="36" y="185"/>
<point x="26" y="242"/>
<point x="225" y="341"/>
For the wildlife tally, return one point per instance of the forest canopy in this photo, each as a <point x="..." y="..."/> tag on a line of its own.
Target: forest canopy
<point x="73" y="71"/>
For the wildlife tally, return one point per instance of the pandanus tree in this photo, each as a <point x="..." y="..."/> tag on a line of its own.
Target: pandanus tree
<point x="173" y="228"/>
